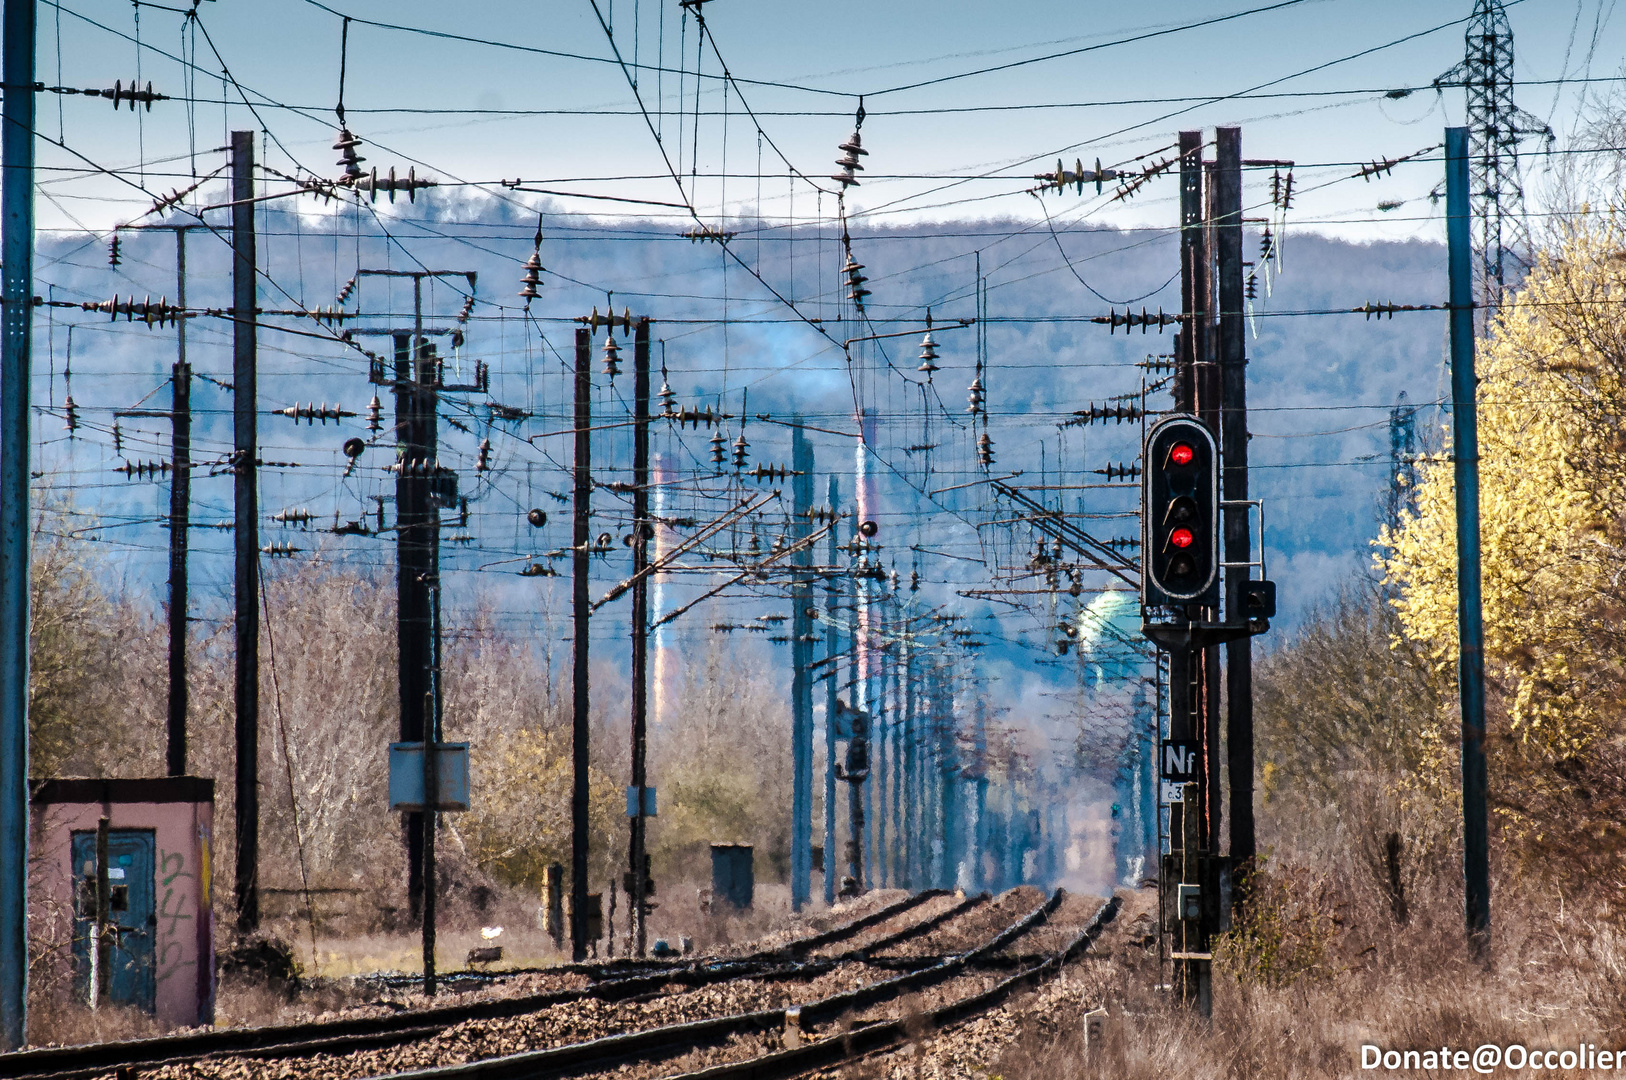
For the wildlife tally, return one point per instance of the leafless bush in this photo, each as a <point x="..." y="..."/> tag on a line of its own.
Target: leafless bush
<point x="1289" y="929"/>
<point x="723" y="761"/>
<point x="330" y="706"/>
<point x="95" y="661"/>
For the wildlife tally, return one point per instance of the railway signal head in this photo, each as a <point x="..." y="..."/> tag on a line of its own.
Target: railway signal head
<point x="1180" y="514"/>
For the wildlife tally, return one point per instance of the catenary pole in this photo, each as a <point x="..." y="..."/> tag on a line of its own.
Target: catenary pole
<point x="579" y="729"/>
<point x="899" y="729"/>
<point x="881" y="748"/>
<point x="411" y="596"/>
<point x="978" y="833"/>
<point x="832" y="677"/>
<point x="1234" y="478"/>
<point x="801" y="690"/>
<point x="1209" y="405"/>
<point x="180" y="503"/>
<point x="17" y="22"/>
<point x="952" y="778"/>
<point x="427" y="411"/>
<point x="245" y="446"/>
<point x="1470" y="624"/>
<point x="1188" y="344"/>
<point x="911" y="762"/>
<point x="1190" y="714"/>
<point x="642" y="529"/>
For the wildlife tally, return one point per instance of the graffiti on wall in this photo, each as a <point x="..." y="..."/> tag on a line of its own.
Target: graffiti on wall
<point x="177" y="907"/>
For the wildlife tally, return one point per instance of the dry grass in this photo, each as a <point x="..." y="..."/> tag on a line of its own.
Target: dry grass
<point x="1555" y="979"/>
<point x="54" y="1020"/>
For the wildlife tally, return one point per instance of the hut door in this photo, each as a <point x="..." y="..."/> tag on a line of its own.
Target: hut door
<point x="130" y="858"/>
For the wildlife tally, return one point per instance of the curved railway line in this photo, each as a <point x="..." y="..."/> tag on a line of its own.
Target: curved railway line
<point x="606" y="971"/>
<point x="783" y="1009"/>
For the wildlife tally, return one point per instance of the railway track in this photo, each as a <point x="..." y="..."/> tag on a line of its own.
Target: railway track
<point x="623" y="981"/>
<point x="799" y="1038"/>
<point x="863" y="1041"/>
<point x="609" y="970"/>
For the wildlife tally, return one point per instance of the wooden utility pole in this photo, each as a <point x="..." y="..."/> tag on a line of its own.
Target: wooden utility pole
<point x="245" y="453"/>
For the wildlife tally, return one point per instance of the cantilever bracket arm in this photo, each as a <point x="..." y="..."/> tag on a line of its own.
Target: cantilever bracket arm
<point x="1073" y="536"/>
<point x="957" y="324"/>
<point x="800" y="545"/>
<point x="1202" y="635"/>
<point x="745" y="507"/>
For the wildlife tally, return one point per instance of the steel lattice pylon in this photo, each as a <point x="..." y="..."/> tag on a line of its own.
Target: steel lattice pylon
<point x="1403" y="472"/>
<point x="1495" y="127"/>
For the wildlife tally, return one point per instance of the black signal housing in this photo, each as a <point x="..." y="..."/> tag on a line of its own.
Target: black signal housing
<point x="1180" y="514"/>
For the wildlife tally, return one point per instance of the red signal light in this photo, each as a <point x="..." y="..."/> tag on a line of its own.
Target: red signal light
<point x="1181" y="453"/>
<point x="1182" y="537"/>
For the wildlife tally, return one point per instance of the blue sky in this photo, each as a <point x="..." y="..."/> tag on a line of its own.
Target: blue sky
<point x="285" y="56"/>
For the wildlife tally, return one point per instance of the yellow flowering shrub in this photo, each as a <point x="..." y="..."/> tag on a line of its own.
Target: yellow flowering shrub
<point x="1552" y="396"/>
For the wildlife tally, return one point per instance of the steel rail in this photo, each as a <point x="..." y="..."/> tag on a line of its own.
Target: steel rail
<point x="857" y="926"/>
<point x="343" y="1036"/>
<point x="616" y="969"/>
<point x="925" y="926"/>
<point x="886" y="1035"/>
<point x="596" y="1055"/>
